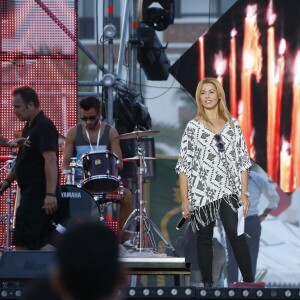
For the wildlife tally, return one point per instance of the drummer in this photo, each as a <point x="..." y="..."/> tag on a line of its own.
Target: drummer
<point x="93" y="135"/>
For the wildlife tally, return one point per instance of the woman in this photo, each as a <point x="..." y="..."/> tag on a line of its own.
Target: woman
<point x="213" y="173"/>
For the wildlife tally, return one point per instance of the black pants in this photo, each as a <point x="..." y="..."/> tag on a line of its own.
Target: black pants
<point x="239" y="244"/>
<point x="253" y="228"/>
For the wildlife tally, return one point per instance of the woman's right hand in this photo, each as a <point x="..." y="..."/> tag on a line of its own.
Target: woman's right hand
<point x="185" y="209"/>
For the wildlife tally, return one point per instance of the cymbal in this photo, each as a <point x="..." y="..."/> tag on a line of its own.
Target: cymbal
<point x="137" y="134"/>
<point x="137" y="158"/>
<point x="6" y="157"/>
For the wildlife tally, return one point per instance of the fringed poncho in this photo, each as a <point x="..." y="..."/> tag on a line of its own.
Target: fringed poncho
<point x="212" y="175"/>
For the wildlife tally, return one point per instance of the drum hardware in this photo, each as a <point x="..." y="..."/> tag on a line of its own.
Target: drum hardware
<point x="114" y="197"/>
<point x="144" y="238"/>
<point x="99" y="169"/>
<point x="137" y="159"/>
<point x="137" y="134"/>
<point x="8" y="217"/>
<point x="101" y="197"/>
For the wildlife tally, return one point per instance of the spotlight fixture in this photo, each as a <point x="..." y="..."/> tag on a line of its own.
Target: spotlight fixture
<point x="288" y="293"/>
<point x="151" y="55"/>
<point x="174" y="292"/>
<point x="146" y="292"/>
<point x="109" y="31"/>
<point x="131" y="292"/>
<point x="160" y="292"/>
<point x="158" y="18"/>
<point x="188" y="292"/>
<point x="245" y="293"/>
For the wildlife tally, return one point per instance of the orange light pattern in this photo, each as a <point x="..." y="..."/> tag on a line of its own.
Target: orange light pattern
<point x="232" y="75"/>
<point x="271" y="17"/>
<point x="295" y="130"/>
<point x="40" y="51"/>
<point x="220" y="66"/>
<point x="201" y="60"/>
<point x="279" y="79"/>
<point x="251" y="64"/>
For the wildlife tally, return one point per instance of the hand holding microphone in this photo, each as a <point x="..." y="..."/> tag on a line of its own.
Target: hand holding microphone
<point x="186" y="214"/>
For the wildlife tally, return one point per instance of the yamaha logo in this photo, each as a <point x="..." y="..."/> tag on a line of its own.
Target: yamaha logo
<point x="70" y="195"/>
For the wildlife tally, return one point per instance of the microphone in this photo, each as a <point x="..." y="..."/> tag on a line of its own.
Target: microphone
<point x="182" y="220"/>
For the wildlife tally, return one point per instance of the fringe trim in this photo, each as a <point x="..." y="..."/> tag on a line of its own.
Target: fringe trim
<point x="208" y="213"/>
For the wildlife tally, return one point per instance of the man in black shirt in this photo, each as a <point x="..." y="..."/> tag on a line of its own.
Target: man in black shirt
<point x="36" y="171"/>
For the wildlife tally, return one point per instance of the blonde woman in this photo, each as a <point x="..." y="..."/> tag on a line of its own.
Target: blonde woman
<point x="213" y="172"/>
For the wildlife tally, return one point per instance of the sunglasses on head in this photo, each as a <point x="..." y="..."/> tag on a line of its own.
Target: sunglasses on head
<point x="85" y="119"/>
<point x="220" y="143"/>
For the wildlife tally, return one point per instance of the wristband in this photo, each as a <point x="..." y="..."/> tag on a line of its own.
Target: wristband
<point x="51" y="194"/>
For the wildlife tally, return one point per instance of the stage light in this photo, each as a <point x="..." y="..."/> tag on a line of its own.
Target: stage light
<point x="151" y="54"/>
<point x="131" y="292"/>
<point x="259" y="293"/>
<point x="18" y="293"/>
<point x="217" y="293"/>
<point x="158" y="18"/>
<point x="188" y="292"/>
<point x="231" y="293"/>
<point x="160" y="292"/>
<point x="245" y="293"/>
<point x="4" y="294"/>
<point x="203" y="293"/>
<point x="288" y="293"/>
<point x="174" y="292"/>
<point x="146" y="292"/>
<point x="109" y="31"/>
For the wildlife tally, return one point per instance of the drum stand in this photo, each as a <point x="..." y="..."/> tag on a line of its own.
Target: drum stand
<point x="7" y="218"/>
<point x="144" y="240"/>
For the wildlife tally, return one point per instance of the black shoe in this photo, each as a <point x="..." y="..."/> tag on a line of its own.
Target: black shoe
<point x="207" y="285"/>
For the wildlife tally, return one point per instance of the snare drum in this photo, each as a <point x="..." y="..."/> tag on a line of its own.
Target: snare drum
<point x="77" y="205"/>
<point x="99" y="169"/>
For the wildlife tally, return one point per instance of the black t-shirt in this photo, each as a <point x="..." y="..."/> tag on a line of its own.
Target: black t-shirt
<point x="30" y="163"/>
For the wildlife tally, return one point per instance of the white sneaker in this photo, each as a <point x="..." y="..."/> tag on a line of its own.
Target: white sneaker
<point x="127" y="244"/>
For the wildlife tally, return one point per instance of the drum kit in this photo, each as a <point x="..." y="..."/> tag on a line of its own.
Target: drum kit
<point x="100" y="186"/>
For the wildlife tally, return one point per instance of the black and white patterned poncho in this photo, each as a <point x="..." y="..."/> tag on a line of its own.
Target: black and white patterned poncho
<point x="212" y="175"/>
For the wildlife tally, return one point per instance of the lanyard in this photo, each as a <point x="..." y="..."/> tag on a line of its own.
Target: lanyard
<point x="98" y="138"/>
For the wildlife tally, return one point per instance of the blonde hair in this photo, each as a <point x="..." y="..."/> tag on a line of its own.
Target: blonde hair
<point x="222" y="107"/>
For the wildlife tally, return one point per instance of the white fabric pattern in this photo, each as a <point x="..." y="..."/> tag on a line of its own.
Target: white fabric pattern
<point x="212" y="175"/>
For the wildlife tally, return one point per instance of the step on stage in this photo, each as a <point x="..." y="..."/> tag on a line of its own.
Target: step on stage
<point x="174" y="266"/>
<point x="17" y="268"/>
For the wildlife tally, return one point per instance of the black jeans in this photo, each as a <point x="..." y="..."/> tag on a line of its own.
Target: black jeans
<point x="239" y="245"/>
<point x="253" y="228"/>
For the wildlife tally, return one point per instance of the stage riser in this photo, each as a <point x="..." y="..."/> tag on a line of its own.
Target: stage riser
<point x="223" y="293"/>
<point x="14" y="289"/>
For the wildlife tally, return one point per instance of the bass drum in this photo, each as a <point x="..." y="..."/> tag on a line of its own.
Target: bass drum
<point x="76" y="205"/>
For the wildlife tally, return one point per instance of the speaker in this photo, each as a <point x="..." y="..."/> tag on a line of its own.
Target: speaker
<point x="25" y="264"/>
